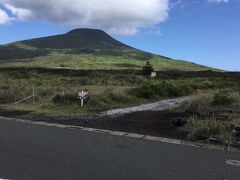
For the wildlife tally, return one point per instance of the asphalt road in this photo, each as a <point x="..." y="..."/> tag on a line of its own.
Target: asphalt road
<point x="34" y="152"/>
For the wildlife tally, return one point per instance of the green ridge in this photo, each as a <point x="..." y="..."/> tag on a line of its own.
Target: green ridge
<point x="85" y="49"/>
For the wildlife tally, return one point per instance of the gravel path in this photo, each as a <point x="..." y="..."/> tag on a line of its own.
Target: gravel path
<point x="158" y="106"/>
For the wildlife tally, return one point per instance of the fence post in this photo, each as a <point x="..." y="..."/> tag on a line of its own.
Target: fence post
<point x="62" y="91"/>
<point x="33" y="90"/>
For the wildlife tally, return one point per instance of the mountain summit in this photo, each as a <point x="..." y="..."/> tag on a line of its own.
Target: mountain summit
<point x="79" y="39"/>
<point x="85" y="49"/>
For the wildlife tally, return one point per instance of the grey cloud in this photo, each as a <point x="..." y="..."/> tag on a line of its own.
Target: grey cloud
<point x="125" y="17"/>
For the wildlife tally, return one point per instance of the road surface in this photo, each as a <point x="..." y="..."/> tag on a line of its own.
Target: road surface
<point x="29" y="151"/>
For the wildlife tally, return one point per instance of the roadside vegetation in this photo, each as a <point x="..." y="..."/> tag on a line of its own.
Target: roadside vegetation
<point x="212" y="112"/>
<point x="213" y="116"/>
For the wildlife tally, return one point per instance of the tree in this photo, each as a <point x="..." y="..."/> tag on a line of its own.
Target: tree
<point x="147" y="69"/>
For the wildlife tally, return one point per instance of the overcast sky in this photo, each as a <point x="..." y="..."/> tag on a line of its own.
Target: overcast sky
<point x="203" y="31"/>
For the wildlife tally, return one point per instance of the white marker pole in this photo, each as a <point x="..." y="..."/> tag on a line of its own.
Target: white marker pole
<point x="81" y="101"/>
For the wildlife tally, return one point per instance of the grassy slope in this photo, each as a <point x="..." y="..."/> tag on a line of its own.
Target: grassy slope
<point x="85" y="49"/>
<point x="129" y="60"/>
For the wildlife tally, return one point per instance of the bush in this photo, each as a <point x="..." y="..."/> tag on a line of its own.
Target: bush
<point x="147" y="69"/>
<point x="198" y="104"/>
<point x="108" y="96"/>
<point x="83" y="80"/>
<point x="221" y="99"/>
<point x="200" y="133"/>
<point x="66" y="99"/>
<point x="145" y="91"/>
<point x="204" y="129"/>
<point x="163" y="89"/>
<point x="107" y="100"/>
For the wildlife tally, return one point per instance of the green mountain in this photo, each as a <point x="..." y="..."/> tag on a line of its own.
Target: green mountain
<point x="85" y="49"/>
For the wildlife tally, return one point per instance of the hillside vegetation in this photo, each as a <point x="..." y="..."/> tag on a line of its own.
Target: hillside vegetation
<point x="211" y="112"/>
<point x="85" y="49"/>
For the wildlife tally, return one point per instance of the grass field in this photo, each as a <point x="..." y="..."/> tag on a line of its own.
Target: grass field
<point x="101" y="60"/>
<point x="213" y="109"/>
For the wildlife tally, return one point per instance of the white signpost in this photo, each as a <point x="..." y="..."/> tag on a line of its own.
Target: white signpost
<point x="82" y="96"/>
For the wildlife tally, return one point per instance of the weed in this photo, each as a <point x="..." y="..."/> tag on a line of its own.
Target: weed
<point x="221" y="99"/>
<point x="163" y="89"/>
<point x="203" y="129"/>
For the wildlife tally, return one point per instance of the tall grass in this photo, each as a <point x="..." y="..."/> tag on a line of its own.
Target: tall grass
<point x="163" y="89"/>
<point x="108" y="89"/>
<point x="200" y="129"/>
<point x="205" y="109"/>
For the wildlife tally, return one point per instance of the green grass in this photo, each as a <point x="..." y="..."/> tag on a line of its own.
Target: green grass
<point x="85" y="49"/>
<point x="106" y="92"/>
<point x="108" y="89"/>
<point x="213" y="94"/>
<point x="205" y="109"/>
<point x="59" y="59"/>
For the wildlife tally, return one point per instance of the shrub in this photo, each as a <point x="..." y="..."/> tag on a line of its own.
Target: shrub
<point x="199" y="104"/>
<point x="168" y="90"/>
<point x="163" y="89"/>
<point x="204" y="129"/>
<point x="145" y="91"/>
<point x="107" y="100"/>
<point x="109" y="96"/>
<point x="83" y="80"/>
<point x="66" y="99"/>
<point x="222" y="99"/>
<point x="147" y="69"/>
<point x="7" y="97"/>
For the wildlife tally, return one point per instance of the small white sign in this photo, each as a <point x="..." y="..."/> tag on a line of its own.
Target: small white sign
<point x="154" y="74"/>
<point x="82" y="95"/>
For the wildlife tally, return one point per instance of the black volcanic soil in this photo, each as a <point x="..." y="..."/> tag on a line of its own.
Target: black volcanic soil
<point x="13" y="114"/>
<point x="147" y="123"/>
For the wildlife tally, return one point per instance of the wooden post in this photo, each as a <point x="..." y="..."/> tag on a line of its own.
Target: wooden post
<point x="62" y="91"/>
<point x="33" y="90"/>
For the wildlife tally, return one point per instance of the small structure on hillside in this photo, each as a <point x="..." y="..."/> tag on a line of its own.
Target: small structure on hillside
<point x="153" y="74"/>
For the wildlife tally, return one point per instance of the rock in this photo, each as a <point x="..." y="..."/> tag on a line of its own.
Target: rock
<point x="214" y="140"/>
<point x="236" y="131"/>
<point x="237" y="128"/>
<point x="232" y="126"/>
<point x="179" y="121"/>
<point x="57" y="99"/>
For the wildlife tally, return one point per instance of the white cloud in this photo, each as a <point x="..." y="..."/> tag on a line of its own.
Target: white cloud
<point x="218" y="1"/>
<point x="4" y="18"/>
<point x="122" y="17"/>
<point x="19" y="13"/>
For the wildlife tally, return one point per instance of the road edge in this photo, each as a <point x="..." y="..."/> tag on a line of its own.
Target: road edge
<point x="130" y="135"/>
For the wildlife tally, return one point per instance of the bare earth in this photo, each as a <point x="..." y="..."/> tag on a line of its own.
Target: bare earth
<point x="148" y="119"/>
<point x="158" y="106"/>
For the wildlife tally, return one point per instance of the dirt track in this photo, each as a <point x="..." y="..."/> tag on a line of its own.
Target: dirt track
<point x="158" y="106"/>
<point x="151" y="119"/>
